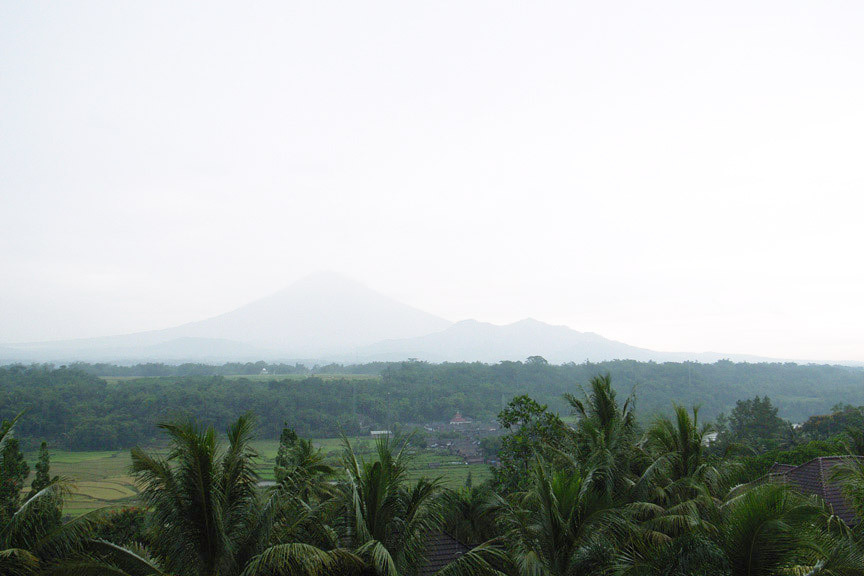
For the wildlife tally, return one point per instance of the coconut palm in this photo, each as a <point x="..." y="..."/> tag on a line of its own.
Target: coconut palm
<point x="762" y="530"/>
<point x="605" y="435"/>
<point x="850" y="474"/>
<point x="209" y="518"/>
<point x="561" y="526"/>
<point x="854" y="440"/>
<point x="388" y="519"/>
<point x="306" y="474"/>
<point x="769" y="529"/>
<point x="470" y="514"/>
<point x="682" y="479"/>
<point x="678" y="447"/>
<point x="686" y="555"/>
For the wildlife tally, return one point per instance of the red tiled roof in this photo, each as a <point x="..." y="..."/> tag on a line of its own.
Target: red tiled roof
<point x="441" y="550"/>
<point x="778" y="468"/>
<point x="814" y="477"/>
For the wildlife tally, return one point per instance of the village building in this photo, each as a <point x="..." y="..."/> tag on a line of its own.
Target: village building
<point x="817" y="477"/>
<point x="441" y="550"/>
<point x="459" y="420"/>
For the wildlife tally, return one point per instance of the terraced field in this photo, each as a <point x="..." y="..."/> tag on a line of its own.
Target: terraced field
<point x="102" y="478"/>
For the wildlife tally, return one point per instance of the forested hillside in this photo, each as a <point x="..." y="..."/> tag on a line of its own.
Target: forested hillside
<point x="74" y="408"/>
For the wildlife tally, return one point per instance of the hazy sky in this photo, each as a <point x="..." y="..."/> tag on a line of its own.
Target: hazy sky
<point x="675" y="175"/>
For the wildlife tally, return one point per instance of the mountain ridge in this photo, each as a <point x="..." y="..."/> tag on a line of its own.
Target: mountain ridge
<point x="327" y="317"/>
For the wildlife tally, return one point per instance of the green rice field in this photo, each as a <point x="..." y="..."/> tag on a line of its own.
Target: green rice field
<point x="102" y="478"/>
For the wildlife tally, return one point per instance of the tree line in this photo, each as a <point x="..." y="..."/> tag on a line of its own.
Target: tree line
<point x="72" y="407"/>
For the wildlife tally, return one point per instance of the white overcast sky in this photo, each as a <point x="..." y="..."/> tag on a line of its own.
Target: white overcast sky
<point x="676" y="175"/>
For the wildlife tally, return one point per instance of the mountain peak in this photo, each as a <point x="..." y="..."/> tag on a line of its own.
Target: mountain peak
<point x="321" y="314"/>
<point x="326" y="279"/>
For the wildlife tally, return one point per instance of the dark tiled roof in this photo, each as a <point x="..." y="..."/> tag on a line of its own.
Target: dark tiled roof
<point x="778" y="468"/>
<point x="815" y="477"/>
<point x="441" y="549"/>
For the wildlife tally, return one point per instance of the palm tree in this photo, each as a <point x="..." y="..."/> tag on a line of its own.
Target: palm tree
<point x="679" y="447"/>
<point x="31" y="540"/>
<point x="850" y="474"/>
<point x="207" y="515"/>
<point x="762" y="530"/>
<point x="686" y="555"/>
<point x="470" y="514"/>
<point x="306" y="475"/>
<point x="561" y="526"/>
<point x="682" y="479"/>
<point x="771" y="528"/>
<point x="605" y="435"/>
<point x="854" y="440"/>
<point x="388" y="520"/>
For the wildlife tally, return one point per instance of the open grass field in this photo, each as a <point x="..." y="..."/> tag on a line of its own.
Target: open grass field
<point x="102" y="478"/>
<point x="269" y="377"/>
<point x="253" y="377"/>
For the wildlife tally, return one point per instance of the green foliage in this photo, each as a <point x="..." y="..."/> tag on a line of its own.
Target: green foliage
<point x="605" y="435"/>
<point x="754" y="424"/>
<point x="32" y="539"/>
<point x="287" y="441"/>
<point x="304" y="472"/>
<point x="470" y="514"/>
<point x="124" y="527"/>
<point x="753" y="467"/>
<point x="204" y="504"/>
<point x="73" y="408"/>
<point x="490" y="446"/>
<point x="560" y="526"/>
<point x="770" y="529"/>
<point x="532" y="430"/>
<point x="51" y="508"/>
<point x="388" y="520"/>
<point x="43" y="470"/>
<point x="602" y="498"/>
<point x="845" y="418"/>
<point x="13" y="472"/>
<point x="682" y="472"/>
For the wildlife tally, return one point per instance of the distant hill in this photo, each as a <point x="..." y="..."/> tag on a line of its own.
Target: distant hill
<point x="471" y="340"/>
<point x="321" y="315"/>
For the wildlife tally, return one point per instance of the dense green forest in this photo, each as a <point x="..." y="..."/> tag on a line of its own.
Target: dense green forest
<point x="75" y="407"/>
<point x="605" y="496"/>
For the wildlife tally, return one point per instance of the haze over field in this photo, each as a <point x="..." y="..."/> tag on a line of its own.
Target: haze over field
<point x="671" y="175"/>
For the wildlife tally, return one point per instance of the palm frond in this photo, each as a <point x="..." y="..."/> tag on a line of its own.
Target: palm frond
<point x="302" y="560"/>
<point x="124" y="559"/>
<point x="18" y="562"/>
<point x="379" y="558"/>
<point x="69" y="537"/>
<point x="482" y="560"/>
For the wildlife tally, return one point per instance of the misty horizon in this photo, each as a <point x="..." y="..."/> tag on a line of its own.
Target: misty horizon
<point x="328" y="318"/>
<point x="671" y="176"/>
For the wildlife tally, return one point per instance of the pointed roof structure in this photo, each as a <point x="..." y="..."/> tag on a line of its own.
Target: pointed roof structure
<point x="459" y="419"/>
<point x="816" y="477"/>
